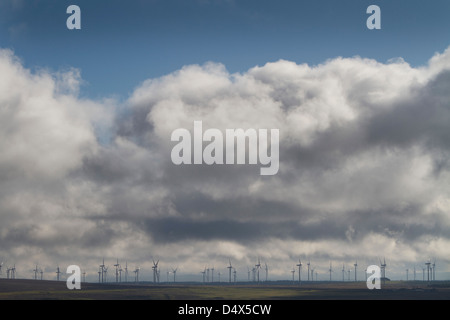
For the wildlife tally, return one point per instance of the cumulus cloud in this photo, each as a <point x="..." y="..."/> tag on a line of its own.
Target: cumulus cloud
<point x="363" y="165"/>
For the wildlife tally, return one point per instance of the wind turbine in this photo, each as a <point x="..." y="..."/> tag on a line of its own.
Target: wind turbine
<point x="84" y="276"/>
<point x="212" y="274"/>
<point x="308" y="264"/>
<point x="105" y="270"/>
<point x="343" y="272"/>
<point x="203" y="274"/>
<point x="267" y="270"/>
<point x="428" y="269"/>
<point x="13" y="270"/>
<point x="136" y="271"/>
<point x="35" y="270"/>
<point x="258" y="266"/>
<point x="120" y="274"/>
<point x="126" y="271"/>
<point x="299" y="265"/>
<point x="229" y="269"/>
<point x="1" y="264"/>
<point x="407" y="272"/>
<point x="248" y="273"/>
<point x="174" y="271"/>
<point x="219" y="274"/>
<point x="293" y="274"/>
<point x="58" y="272"/>
<point x="355" y="265"/>
<point x="383" y="270"/>
<point x="155" y="270"/>
<point x="434" y="270"/>
<point x="234" y="274"/>
<point x="102" y="269"/>
<point x="117" y="265"/>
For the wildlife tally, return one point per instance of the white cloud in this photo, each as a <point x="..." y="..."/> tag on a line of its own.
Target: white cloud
<point x="363" y="165"/>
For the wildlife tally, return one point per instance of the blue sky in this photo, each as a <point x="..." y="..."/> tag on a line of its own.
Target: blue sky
<point x="123" y="43"/>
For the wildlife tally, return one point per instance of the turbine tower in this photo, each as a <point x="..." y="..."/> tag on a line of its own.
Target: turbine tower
<point x="355" y="265"/>
<point x="407" y="273"/>
<point x="343" y="272"/>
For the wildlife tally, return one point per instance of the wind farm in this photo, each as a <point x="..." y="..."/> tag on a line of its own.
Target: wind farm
<point x="297" y="283"/>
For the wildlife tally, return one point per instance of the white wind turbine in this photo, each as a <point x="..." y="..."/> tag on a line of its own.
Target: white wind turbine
<point x="229" y="269"/>
<point x="330" y="270"/>
<point x="117" y="265"/>
<point x="58" y="272"/>
<point x="35" y="270"/>
<point x="293" y="274"/>
<point x="299" y="265"/>
<point x="258" y="266"/>
<point x="155" y="270"/>
<point x="267" y="270"/>
<point x="174" y="271"/>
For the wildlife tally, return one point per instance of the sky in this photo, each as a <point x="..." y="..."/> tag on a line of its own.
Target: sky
<point x="86" y="118"/>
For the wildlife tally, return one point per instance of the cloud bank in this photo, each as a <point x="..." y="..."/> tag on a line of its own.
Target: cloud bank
<point x="364" y="167"/>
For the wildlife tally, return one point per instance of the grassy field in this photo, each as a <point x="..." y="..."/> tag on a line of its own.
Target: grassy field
<point x="43" y="290"/>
